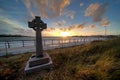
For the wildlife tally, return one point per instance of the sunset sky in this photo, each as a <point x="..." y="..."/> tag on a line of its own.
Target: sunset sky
<point x="72" y="17"/>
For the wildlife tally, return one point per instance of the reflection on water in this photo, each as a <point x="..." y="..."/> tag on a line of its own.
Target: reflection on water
<point x="27" y="44"/>
<point x="53" y="41"/>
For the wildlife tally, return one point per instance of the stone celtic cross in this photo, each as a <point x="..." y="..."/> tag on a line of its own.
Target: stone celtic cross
<point x="38" y="25"/>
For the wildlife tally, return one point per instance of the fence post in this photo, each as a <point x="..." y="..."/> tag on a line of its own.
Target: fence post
<point x="76" y="42"/>
<point x="23" y="43"/>
<point x="58" y="41"/>
<point x="8" y="44"/>
<point x="6" y="48"/>
<point x="34" y="43"/>
<point x="44" y="42"/>
<point x="52" y="41"/>
<point x="84" y="40"/>
<point x="62" y="43"/>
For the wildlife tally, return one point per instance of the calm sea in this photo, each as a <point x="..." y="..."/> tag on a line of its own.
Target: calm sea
<point x="22" y="43"/>
<point x="2" y="39"/>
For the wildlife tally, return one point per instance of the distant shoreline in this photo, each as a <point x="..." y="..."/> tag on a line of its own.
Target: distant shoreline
<point x="9" y="35"/>
<point x="4" y="35"/>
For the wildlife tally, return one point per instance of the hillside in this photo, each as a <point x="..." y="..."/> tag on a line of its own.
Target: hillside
<point x="95" y="61"/>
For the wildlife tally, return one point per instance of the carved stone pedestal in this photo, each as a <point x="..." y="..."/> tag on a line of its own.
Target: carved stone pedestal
<point x="36" y="64"/>
<point x="41" y="60"/>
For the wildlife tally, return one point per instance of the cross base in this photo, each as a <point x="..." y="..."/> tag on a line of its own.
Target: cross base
<point x="36" y="64"/>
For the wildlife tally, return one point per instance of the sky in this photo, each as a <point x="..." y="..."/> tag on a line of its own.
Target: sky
<point x="69" y="17"/>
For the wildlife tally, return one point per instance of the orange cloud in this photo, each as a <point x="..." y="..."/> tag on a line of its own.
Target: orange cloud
<point x="47" y="8"/>
<point x="50" y="29"/>
<point x="96" y="11"/>
<point x="60" y="23"/>
<point x="63" y="29"/>
<point x="69" y="14"/>
<point x="92" y="26"/>
<point x="27" y="3"/>
<point x="74" y="27"/>
<point x="28" y="6"/>
<point x="79" y="26"/>
<point x="105" y="22"/>
<point x="71" y="28"/>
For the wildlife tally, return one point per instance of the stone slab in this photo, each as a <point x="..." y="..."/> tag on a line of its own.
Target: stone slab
<point x="34" y="61"/>
<point x="38" y="68"/>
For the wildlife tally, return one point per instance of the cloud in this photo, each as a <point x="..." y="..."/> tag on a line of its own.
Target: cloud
<point x="47" y="8"/>
<point x="60" y="23"/>
<point x="28" y="6"/>
<point x="72" y="16"/>
<point x="105" y="22"/>
<point x="80" y="26"/>
<point x="64" y="29"/>
<point x="96" y="11"/>
<point x="70" y="28"/>
<point x="69" y="13"/>
<point x="9" y="26"/>
<point x="32" y="14"/>
<point x="74" y="27"/>
<point x="81" y="4"/>
<point x="92" y="26"/>
<point x="50" y="29"/>
<point x="51" y="32"/>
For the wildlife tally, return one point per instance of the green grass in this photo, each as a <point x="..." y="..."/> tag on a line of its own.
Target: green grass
<point x="94" y="61"/>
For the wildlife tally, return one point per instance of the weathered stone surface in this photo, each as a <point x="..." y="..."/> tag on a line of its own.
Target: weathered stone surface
<point x="40" y="67"/>
<point x="34" y="61"/>
<point x="41" y="60"/>
<point x="38" y="25"/>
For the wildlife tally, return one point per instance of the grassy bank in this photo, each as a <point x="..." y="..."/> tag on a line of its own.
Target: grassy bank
<point x="94" y="61"/>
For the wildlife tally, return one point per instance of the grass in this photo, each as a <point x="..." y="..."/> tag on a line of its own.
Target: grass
<point x="94" y="61"/>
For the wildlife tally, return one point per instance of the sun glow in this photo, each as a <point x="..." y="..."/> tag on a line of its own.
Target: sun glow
<point x="65" y="34"/>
